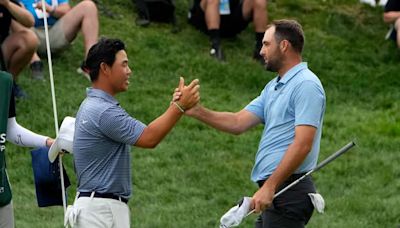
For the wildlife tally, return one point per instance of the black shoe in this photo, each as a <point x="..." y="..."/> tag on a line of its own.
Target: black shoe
<point x="18" y="92"/>
<point x="37" y="70"/>
<point x="217" y="53"/>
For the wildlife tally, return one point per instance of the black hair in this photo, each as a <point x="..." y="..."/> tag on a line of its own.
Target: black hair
<point x="291" y="31"/>
<point x="103" y="51"/>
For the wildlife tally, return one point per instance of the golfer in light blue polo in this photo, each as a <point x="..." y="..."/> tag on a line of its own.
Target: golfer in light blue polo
<point x="291" y="107"/>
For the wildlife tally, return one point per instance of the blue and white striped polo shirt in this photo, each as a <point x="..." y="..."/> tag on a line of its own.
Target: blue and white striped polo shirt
<point x="104" y="133"/>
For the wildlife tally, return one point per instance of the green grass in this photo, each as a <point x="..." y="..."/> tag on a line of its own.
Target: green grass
<point x="197" y="173"/>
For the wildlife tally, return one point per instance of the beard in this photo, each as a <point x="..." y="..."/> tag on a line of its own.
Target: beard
<point x="274" y="64"/>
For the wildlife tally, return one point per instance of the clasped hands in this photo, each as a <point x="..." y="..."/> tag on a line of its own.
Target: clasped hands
<point x="187" y="96"/>
<point x="49" y="8"/>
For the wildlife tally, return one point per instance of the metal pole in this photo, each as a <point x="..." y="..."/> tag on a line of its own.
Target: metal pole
<point x="53" y="96"/>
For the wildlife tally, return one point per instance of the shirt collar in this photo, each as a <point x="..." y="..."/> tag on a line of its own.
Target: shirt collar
<point x="92" y="92"/>
<point x="292" y="72"/>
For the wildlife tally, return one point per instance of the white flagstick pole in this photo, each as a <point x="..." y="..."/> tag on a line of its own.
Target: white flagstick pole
<point x="53" y="96"/>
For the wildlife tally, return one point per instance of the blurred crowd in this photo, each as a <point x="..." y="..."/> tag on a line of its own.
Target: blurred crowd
<point x="23" y="40"/>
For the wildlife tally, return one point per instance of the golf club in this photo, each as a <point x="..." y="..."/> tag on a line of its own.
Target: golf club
<point x="318" y="167"/>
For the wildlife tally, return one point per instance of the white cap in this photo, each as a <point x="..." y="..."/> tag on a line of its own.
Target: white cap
<point x="236" y="214"/>
<point x="64" y="139"/>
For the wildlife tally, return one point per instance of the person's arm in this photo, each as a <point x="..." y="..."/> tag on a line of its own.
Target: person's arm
<point x="234" y="123"/>
<point x="21" y="136"/>
<point x="294" y="156"/>
<point x="20" y="14"/>
<point x="159" y="128"/>
<point x="391" y="16"/>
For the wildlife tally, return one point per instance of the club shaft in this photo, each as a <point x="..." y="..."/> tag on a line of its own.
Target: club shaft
<point x="322" y="164"/>
<point x="293" y="183"/>
<point x="335" y="155"/>
<point x="319" y="166"/>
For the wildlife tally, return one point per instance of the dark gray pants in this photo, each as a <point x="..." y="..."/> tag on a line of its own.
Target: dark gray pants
<point x="292" y="209"/>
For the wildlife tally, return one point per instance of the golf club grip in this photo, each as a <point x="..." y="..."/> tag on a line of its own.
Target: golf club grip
<point x="335" y="155"/>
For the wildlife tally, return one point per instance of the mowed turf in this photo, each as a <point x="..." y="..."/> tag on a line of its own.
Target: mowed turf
<point x="197" y="173"/>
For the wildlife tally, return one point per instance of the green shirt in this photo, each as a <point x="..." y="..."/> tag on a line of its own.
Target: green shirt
<point x="5" y="94"/>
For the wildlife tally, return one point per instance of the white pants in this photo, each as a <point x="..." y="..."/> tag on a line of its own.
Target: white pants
<point x="7" y="216"/>
<point x="101" y="212"/>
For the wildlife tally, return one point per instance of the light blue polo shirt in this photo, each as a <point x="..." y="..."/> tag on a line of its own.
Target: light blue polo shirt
<point x="298" y="98"/>
<point x="39" y="22"/>
<point x="104" y="133"/>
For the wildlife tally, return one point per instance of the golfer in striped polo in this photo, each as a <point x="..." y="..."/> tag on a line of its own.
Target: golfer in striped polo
<point x="104" y="134"/>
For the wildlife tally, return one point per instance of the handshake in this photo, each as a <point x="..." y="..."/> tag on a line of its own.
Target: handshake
<point x="186" y="97"/>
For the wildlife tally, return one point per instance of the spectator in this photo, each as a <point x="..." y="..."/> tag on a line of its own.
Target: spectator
<point x="11" y="131"/>
<point x="156" y="10"/>
<point x="17" y="46"/>
<point x="291" y="107"/>
<point x="227" y="18"/>
<point x="104" y="133"/>
<point x="65" y="23"/>
<point x="392" y="16"/>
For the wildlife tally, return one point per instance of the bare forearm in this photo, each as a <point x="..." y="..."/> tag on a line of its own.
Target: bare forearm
<point x="294" y="156"/>
<point x="224" y="121"/>
<point x="159" y="128"/>
<point x="21" y="15"/>
<point x="59" y="11"/>
<point x="292" y="159"/>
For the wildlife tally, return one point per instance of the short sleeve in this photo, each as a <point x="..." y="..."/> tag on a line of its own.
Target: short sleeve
<point x="257" y="105"/>
<point x="118" y="125"/>
<point x="62" y="1"/>
<point x="309" y="103"/>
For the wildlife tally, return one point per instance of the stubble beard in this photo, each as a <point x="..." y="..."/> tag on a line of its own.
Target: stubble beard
<point x="272" y="66"/>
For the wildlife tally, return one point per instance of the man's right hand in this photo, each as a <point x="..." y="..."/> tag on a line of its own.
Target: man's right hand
<point x="189" y="95"/>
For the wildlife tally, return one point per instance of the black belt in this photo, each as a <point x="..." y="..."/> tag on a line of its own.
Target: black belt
<point x="103" y="195"/>
<point x="290" y="179"/>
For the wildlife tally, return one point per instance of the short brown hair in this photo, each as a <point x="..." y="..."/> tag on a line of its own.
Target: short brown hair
<point x="291" y="31"/>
